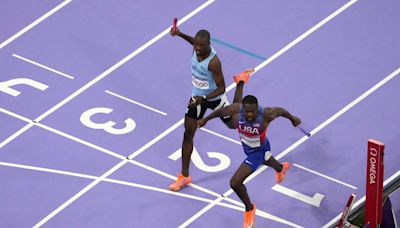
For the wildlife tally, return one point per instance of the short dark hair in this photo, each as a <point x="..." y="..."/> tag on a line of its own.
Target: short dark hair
<point x="203" y="34"/>
<point x="250" y="99"/>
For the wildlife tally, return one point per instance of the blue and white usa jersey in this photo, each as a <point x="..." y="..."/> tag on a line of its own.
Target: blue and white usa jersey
<point x="251" y="134"/>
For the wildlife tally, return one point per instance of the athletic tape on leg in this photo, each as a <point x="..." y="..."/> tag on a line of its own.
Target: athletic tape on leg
<point x="267" y="155"/>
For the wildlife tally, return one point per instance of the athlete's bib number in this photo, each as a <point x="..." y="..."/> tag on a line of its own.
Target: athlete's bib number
<point x="200" y="83"/>
<point x="252" y="142"/>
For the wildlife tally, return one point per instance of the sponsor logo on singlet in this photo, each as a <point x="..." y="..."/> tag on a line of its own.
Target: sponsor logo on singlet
<point x="200" y="83"/>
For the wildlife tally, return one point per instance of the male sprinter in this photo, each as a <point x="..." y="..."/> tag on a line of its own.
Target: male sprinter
<point x="252" y="121"/>
<point x="208" y="93"/>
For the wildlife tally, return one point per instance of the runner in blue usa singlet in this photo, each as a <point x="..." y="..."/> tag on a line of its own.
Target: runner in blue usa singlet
<point x="252" y="122"/>
<point x="254" y="140"/>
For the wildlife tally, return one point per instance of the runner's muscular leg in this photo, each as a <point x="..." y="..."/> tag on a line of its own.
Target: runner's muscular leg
<point x="237" y="99"/>
<point x="238" y="93"/>
<point x="237" y="185"/>
<point x="187" y="144"/>
<point x="272" y="162"/>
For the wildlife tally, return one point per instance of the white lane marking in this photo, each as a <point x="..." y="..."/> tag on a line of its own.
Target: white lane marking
<point x="43" y="66"/>
<point x="325" y="176"/>
<point x="135" y="102"/>
<point x="33" y="24"/>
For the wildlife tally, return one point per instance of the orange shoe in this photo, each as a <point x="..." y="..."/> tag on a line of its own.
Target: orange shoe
<point x="181" y="182"/>
<point x="250" y="218"/>
<point x="279" y="177"/>
<point x="243" y="76"/>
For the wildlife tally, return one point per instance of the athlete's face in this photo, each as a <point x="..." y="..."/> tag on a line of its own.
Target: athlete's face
<point x="201" y="46"/>
<point x="250" y="112"/>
